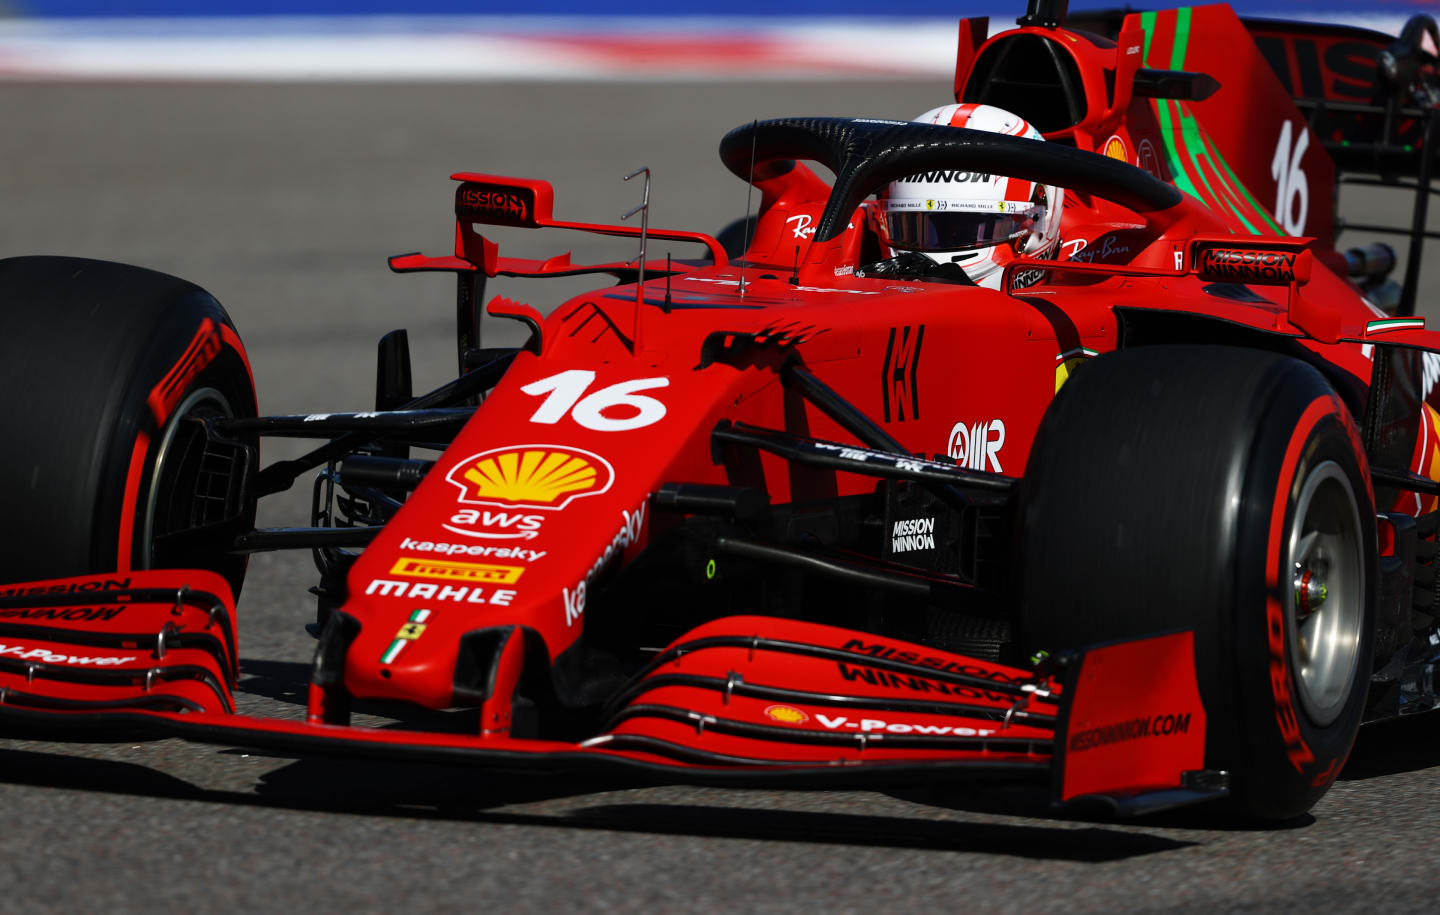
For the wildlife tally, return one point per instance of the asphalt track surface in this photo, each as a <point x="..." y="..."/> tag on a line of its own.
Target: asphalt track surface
<point x="284" y="200"/>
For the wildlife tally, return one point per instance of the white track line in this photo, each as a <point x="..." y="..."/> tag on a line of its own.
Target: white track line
<point x="482" y="49"/>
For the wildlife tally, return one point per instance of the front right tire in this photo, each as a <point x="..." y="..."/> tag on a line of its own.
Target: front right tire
<point x="1222" y="490"/>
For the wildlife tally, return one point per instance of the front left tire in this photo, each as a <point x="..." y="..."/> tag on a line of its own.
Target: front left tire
<point x="108" y="373"/>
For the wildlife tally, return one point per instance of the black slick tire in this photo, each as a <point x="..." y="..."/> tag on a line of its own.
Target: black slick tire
<point x="107" y="372"/>
<point x="1176" y="487"/>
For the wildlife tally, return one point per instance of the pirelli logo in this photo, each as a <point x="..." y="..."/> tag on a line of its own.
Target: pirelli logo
<point x="458" y="571"/>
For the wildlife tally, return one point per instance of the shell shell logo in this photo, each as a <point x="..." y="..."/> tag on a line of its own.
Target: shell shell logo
<point x="1115" y="149"/>
<point x="531" y="476"/>
<point x="786" y="714"/>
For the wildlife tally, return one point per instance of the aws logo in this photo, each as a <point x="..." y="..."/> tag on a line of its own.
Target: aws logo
<point x="530" y="476"/>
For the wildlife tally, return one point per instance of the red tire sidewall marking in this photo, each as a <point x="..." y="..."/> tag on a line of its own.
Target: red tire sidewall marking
<point x="161" y="402"/>
<point x="1286" y="711"/>
<point x="232" y="340"/>
<point x="124" y="552"/>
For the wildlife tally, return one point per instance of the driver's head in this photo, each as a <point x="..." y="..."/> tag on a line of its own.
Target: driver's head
<point x="975" y="220"/>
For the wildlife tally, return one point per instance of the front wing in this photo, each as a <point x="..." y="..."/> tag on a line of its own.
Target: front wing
<point x="740" y="700"/>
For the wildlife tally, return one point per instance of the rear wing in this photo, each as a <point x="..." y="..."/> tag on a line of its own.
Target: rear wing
<point x="1367" y="104"/>
<point x="1329" y="63"/>
<point x="1354" y="82"/>
<point x="1374" y="100"/>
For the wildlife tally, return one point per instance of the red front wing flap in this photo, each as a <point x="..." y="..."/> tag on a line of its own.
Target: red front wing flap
<point x="738" y="700"/>
<point x="1134" y="721"/>
<point x="759" y="691"/>
<point x="133" y="640"/>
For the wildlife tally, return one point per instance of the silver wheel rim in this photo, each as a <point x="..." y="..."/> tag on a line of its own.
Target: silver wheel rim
<point x="190" y="406"/>
<point x="1325" y="592"/>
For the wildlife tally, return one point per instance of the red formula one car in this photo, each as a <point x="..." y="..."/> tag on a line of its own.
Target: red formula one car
<point x="1153" y="521"/>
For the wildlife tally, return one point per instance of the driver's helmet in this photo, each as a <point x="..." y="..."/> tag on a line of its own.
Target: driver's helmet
<point x="977" y="221"/>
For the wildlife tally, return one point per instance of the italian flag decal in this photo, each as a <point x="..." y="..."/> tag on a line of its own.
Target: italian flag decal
<point x="1388" y="324"/>
<point x="412" y="630"/>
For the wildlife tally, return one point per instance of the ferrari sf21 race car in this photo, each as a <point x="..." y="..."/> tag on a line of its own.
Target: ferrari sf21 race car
<point x="1153" y="522"/>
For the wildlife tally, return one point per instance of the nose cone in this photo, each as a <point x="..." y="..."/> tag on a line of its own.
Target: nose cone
<point x="547" y="485"/>
<point x="408" y="646"/>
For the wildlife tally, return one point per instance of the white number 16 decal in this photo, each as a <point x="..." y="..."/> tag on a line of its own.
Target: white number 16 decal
<point x="1292" y="189"/>
<point x="566" y="389"/>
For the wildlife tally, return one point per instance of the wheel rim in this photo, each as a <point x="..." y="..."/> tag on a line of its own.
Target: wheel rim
<point x="1326" y="594"/>
<point x="180" y="430"/>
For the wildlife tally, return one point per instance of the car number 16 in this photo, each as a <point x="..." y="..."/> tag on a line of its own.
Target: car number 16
<point x="566" y="389"/>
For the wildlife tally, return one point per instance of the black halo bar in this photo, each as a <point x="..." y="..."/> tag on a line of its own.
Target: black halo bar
<point x="302" y="538"/>
<point x="915" y="586"/>
<point x="1402" y="479"/>
<point x="279" y="476"/>
<point x="867" y="153"/>
<point x="327" y="425"/>
<point x="854" y="459"/>
<point x="738" y="686"/>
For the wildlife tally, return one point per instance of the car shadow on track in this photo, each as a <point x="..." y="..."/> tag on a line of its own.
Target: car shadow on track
<point x="1086" y="844"/>
<point x="287" y="682"/>
<point x="282" y="681"/>
<point x="361" y="787"/>
<point x="1036" y="803"/>
<point x="1395" y="746"/>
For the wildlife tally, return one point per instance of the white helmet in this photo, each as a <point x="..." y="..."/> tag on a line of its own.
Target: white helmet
<point x="977" y="221"/>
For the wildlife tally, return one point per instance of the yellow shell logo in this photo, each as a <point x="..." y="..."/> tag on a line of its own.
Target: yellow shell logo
<point x="531" y="476"/>
<point x="1115" y="149"/>
<point x="786" y="714"/>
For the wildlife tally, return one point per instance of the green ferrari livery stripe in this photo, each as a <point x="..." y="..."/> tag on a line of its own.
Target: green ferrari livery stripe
<point x="1193" y="158"/>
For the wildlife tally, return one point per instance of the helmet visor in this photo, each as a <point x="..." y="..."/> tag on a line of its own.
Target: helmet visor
<point x="954" y="225"/>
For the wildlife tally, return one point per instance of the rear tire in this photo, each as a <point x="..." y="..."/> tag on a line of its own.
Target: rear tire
<point x="107" y="372"/>
<point x="1221" y="490"/>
